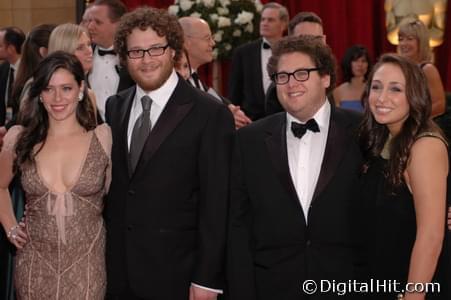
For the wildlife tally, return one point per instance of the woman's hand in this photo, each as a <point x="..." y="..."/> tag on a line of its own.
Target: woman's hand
<point x="17" y="236"/>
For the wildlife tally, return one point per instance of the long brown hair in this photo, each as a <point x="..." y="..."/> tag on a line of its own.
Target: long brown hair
<point x="373" y="135"/>
<point x="35" y="117"/>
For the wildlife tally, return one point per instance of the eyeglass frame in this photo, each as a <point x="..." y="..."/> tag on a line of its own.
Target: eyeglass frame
<point x="148" y="50"/>
<point x="289" y="74"/>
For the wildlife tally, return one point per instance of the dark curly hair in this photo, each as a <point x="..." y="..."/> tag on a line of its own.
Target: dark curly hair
<point x="312" y="46"/>
<point x="373" y="135"/>
<point x="35" y="117"/>
<point x="353" y="53"/>
<point x="159" y="20"/>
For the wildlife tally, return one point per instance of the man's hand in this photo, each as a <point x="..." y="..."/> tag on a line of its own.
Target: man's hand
<point x="2" y="134"/>
<point x="240" y="117"/>
<point x="197" y="293"/>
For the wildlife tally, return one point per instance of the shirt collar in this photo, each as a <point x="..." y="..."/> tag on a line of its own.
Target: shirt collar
<point x="265" y="41"/>
<point x="161" y="95"/>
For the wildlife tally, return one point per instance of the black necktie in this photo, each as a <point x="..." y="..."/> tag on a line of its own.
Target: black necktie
<point x="140" y="132"/>
<point x="106" y="52"/>
<point x="299" y="129"/>
<point x="266" y="45"/>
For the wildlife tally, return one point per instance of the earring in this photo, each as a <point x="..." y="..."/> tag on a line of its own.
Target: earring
<point x="80" y="96"/>
<point x="40" y="98"/>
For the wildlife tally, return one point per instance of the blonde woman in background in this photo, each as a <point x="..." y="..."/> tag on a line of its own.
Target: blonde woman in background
<point x="74" y="39"/>
<point x="414" y="44"/>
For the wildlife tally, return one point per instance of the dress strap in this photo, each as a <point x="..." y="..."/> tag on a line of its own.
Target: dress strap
<point x="433" y="134"/>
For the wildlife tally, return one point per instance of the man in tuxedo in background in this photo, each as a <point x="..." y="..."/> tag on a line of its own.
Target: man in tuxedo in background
<point x="294" y="184"/>
<point x="11" y="40"/>
<point x="166" y="209"/>
<point x="248" y="78"/>
<point x="107" y="76"/>
<point x="304" y="23"/>
<point x="199" y="44"/>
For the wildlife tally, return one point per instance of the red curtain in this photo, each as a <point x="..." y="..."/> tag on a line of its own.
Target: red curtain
<point x="346" y="22"/>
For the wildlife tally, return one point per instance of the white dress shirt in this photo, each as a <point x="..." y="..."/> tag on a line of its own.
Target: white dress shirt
<point x="103" y="78"/>
<point x="266" y="54"/>
<point x="305" y="155"/>
<point x="160" y="98"/>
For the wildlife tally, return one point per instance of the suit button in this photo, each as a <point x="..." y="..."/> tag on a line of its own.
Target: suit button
<point x="308" y="243"/>
<point x="131" y="192"/>
<point x="129" y="227"/>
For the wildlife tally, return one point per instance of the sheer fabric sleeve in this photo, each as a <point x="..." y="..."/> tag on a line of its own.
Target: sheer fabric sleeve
<point x="103" y="133"/>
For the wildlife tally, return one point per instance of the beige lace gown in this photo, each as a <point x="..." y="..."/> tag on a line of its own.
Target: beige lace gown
<point x="65" y="255"/>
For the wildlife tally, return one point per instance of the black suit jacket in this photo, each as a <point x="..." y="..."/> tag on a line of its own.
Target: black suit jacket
<point x="245" y="83"/>
<point x="271" y="249"/>
<point x="4" y="72"/>
<point x="166" y="223"/>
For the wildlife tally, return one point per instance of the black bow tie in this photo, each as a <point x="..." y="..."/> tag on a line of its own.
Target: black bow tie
<point x="266" y="45"/>
<point x="106" y="52"/>
<point x="299" y="129"/>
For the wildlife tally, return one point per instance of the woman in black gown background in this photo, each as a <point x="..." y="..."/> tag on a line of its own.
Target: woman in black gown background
<point x="405" y="181"/>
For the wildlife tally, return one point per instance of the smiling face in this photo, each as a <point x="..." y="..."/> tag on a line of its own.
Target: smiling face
<point x="199" y="43"/>
<point x="301" y="99"/>
<point x="61" y="96"/>
<point x="84" y="52"/>
<point x="408" y="46"/>
<point x="149" y="72"/>
<point x="387" y="99"/>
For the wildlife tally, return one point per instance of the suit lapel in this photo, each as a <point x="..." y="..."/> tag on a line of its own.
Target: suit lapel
<point x="335" y="148"/>
<point x="126" y="100"/>
<point x="276" y="142"/>
<point x="258" y="66"/>
<point x="178" y="106"/>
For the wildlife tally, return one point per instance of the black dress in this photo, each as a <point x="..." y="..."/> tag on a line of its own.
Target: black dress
<point x="390" y="236"/>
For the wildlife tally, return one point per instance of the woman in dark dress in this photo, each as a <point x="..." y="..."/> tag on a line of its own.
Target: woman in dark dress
<point x="405" y="178"/>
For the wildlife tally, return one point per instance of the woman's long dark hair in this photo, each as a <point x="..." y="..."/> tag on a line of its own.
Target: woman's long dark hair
<point x="373" y="136"/>
<point x="37" y="38"/>
<point x="36" y="120"/>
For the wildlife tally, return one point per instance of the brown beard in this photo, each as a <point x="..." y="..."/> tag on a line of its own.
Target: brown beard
<point x="166" y="71"/>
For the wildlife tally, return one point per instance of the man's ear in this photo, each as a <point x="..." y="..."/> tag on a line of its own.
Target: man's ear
<point x="325" y="79"/>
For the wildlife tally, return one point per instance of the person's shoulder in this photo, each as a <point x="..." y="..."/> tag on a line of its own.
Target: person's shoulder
<point x="248" y="46"/>
<point x="430" y="69"/>
<point x="266" y="124"/>
<point x="347" y="116"/>
<point x="11" y="136"/>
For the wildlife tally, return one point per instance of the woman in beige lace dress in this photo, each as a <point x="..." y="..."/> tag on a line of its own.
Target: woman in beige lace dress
<point x="64" y="162"/>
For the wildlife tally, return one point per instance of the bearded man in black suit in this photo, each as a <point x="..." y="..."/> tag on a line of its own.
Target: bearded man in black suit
<point x="294" y="185"/>
<point x="167" y="205"/>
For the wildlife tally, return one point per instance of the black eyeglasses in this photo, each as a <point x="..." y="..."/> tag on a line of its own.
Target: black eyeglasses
<point x="299" y="75"/>
<point x="152" y="51"/>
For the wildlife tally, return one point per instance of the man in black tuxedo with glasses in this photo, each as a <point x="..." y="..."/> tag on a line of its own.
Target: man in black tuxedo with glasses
<point x="294" y="184"/>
